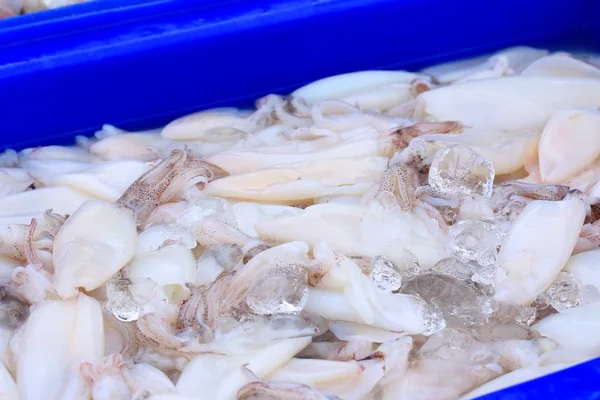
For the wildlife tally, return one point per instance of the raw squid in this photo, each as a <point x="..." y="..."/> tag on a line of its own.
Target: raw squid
<point x="374" y="235"/>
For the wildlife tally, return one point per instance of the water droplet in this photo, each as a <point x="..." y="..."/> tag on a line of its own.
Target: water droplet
<point x="454" y="299"/>
<point x="476" y="241"/>
<point x="385" y="274"/>
<point x="279" y="291"/>
<point x="565" y="292"/>
<point x="120" y="301"/>
<point x="459" y="169"/>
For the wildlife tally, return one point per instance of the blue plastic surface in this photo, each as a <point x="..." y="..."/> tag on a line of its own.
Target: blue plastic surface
<point x="138" y="64"/>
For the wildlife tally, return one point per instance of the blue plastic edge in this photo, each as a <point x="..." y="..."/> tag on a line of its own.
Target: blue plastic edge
<point x="142" y="72"/>
<point x="581" y="382"/>
<point x="93" y="15"/>
<point x="141" y="63"/>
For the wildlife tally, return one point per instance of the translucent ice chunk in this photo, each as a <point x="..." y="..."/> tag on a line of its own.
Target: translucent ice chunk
<point x="401" y="264"/>
<point x="409" y="265"/>
<point x="507" y="321"/>
<point x="455" y="299"/>
<point x="467" y="272"/>
<point x="509" y="312"/>
<point x="477" y="241"/>
<point x="485" y="275"/>
<point x="542" y="307"/>
<point x="161" y="236"/>
<point x="526" y="316"/>
<point x="475" y="207"/>
<point x="565" y="292"/>
<point x="287" y="325"/>
<point x="253" y="251"/>
<point x="228" y="255"/>
<point x="453" y="267"/>
<point x="457" y="346"/>
<point x="120" y="301"/>
<point x="282" y="291"/>
<point x="432" y="316"/>
<point x="385" y="274"/>
<point x="266" y="328"/>
<point x="459" y="169"/>
<point x="502" y="331"/>
<point x="541" y="302"/>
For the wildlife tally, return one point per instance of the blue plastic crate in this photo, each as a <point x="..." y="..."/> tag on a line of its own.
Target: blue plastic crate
<point x="138" y="64"/>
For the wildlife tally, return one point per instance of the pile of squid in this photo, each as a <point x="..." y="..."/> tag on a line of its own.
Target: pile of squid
<point x="373" y="235"/>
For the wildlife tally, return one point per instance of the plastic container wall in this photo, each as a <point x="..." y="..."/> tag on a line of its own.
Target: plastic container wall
<point x="142" y="64"/>
<point x="138" y="64"/>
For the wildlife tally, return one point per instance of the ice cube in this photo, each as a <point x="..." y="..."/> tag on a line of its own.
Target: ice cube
<point x="541" y="301"/>
<point x="228" y="255"/>
<point x="453" y="267"/>
<point x="508" y="312"/>
<point x="453" y="298"/>
<point x="464" y="271"/>
<point x="434" y="319"/>
<point x="485" y="275"/>
<point x="458" y="346"/>
<point x="460" y="170"/>
<point x="565" y="292"/>
<point x="279" y="291"/>
<point x="120" y="301"/>
<point x="477" y="241"/>
<point x="385" y="274"/>
<point x="409" y="266"/>
<point x="488" y="305"/>
<point x="292" y="325"/>
<point x="507" y="321"/>
<point x="526" y="316"/>
<point x="252" y="252"/>
<point x="444" y="343"/>
<point x="475" y="207"/>
<point x="267" y="328"/>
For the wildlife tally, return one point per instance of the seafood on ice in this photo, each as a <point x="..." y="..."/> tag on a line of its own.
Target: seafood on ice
<point x="374" y="235"/>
